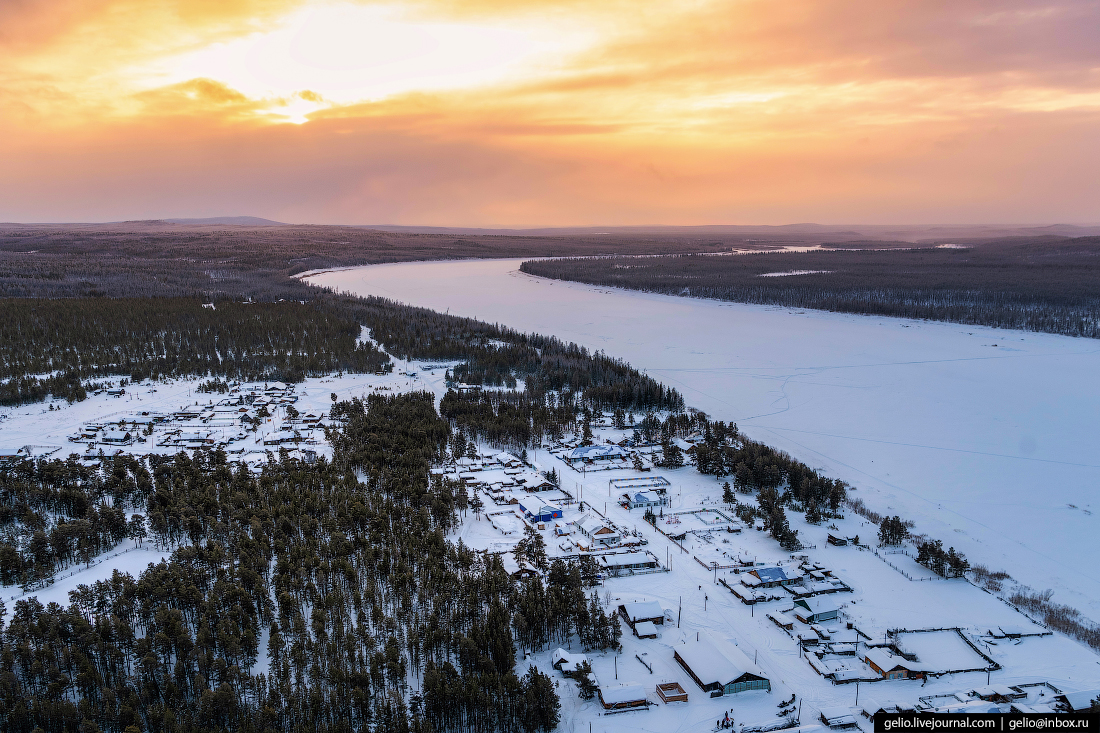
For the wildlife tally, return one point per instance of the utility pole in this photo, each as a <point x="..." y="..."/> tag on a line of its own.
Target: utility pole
<point x="679" y="611"/>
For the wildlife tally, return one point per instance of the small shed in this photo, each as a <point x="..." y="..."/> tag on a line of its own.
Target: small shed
<point x="838" y="717"/>
<point x="781" y="620"/>
<point x="671" y="692"/>
<point x="645" y="630"/>
<point x="624" y="696"/>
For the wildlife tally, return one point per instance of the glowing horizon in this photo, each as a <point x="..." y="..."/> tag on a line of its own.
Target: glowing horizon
<point x="530" y="113"/>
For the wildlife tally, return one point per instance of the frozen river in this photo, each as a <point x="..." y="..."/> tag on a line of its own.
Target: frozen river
<point x="988" y="439"/>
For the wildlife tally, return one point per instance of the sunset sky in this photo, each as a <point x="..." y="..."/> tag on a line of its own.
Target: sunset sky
<point x="526" y="113"/>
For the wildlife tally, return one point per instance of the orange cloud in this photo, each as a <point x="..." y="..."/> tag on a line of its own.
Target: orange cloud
<point x="642" y="112"/>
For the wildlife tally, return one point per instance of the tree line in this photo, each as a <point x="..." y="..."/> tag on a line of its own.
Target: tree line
<point x="1046" y="284"/>
<point x="169" y="337"/>
<point x="309" y="597"/>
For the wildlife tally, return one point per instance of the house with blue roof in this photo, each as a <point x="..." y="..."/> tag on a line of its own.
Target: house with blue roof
<point x="774" y="577"/>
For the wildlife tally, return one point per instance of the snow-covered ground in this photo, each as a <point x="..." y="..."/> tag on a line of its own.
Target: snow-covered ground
<point x="886" y="592"/>
<point x="988" y="439"/>
<point x="46" y="432"/>
<point x="881" y="598"/>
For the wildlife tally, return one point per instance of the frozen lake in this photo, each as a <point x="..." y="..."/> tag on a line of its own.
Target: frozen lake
<point x="988" y="439"/>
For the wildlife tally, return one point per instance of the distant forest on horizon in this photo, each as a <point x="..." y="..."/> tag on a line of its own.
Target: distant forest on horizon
<point x="1046" y="284"/>
<point x="1042" y="283"/>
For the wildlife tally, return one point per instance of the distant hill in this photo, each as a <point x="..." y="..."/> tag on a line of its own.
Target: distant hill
<point x="250" y="221"/>
<point x="819" y="232"/>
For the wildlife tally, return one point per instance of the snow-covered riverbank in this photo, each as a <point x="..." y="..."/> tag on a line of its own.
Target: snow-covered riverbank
<point x="988" y="439"/>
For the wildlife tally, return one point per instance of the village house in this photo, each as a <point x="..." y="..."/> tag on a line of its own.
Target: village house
<point x="892" y="666"/>
<point x="597" y="530"/>
<point x="592" y="453"/>
<point x="538" y="510"/>
<point x="815" y="610"/>
<point x="642" y="612"/>
<point x="627" y="562"/>
<point x="719" y="669"/>
<point x="644" y="499"/>
<point x="567" y="662"/>
<point x="770" y="578"/>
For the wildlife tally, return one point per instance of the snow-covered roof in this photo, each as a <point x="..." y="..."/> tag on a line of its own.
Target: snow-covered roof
<point x="817" y="605"/>
<point x="773" y="575"/>
<point x="567" y="659"/>
<point x="624" y="693"/>
<point x="714" y="662"/>
<point x="1082" y="699"/>
<point x="623" y="559"/>
<point x="886" y="660"/>
<point x="589" y="524"/>
<point x="838" y="716"/>
<point x="645" y="628"/>
<point x="780" y="618"/>
<point x="535" y="505"/>
<point x="595" y="451"/>
<point x="643" y="609"/>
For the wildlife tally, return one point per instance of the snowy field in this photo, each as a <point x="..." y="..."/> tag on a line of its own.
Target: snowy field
<point x="46" y="432"/>
<point x="988" y="439"/>
<point x="880" y="599"/>
<point x="872" y="594"/>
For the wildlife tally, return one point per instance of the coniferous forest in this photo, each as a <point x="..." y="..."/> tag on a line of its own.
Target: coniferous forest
<point x="337" y="578"/>
<point x="1047" y="284"/>
<point x="327" y="597"/>
<point x="72" y="339"/>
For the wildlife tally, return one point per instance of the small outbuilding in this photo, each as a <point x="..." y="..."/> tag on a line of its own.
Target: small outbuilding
<point x="645" y="630"/>
<point x="622" y="697"/>
<point x="838" y="718"/>
<point x="671" y="692"/>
